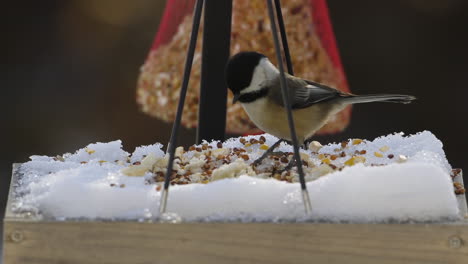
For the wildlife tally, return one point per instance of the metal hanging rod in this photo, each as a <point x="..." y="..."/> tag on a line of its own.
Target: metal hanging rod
<point x="284" y="92"/>
<point x="183" y="91"/>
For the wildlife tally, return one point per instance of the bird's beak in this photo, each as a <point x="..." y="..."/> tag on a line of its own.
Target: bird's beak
<point x="236" y="98"/>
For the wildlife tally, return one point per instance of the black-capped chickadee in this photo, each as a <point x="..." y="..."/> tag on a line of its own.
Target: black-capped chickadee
<point x="255" y="83"/>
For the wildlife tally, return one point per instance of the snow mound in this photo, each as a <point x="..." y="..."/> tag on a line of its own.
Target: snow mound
<point x="390" y="179"/>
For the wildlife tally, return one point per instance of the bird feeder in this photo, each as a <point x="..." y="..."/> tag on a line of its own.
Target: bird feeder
<point x="27" y="238"/>
<point x="30" y="239"/>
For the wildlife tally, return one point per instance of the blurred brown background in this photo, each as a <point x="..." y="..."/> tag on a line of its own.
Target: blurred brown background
<point x="70" y="67"/>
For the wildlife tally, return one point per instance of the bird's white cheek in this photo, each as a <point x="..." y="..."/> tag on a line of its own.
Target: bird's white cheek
<point x="258" y="81"/>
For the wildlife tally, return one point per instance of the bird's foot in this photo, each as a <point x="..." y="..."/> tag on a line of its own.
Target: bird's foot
<point x="291" y="164"/>
<point x="267" y="153"/>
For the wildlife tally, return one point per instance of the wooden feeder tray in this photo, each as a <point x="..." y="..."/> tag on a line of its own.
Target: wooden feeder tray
<point x="30" y="239"/>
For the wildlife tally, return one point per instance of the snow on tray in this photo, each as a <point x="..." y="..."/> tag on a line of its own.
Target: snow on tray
<point x="393" y="178"/>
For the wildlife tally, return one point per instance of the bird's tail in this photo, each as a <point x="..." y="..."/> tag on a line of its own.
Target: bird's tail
<point x="386" y="98"/>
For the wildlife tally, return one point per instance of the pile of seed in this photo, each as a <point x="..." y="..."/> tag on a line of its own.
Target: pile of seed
<point x="209" y="162"/>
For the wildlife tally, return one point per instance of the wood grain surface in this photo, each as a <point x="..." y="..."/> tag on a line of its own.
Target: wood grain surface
<point x="131" y="242"/>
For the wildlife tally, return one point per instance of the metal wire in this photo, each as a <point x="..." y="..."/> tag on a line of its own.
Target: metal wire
<point x="284" y="37"/>
<point x="287" y="103"/>
<point x="180" y="107"/>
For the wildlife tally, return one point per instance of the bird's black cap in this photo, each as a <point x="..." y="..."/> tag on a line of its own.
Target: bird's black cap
<point x="240" y="69"/>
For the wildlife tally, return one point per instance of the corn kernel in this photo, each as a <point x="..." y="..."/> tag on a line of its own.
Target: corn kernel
<point x="359" y="159"/>
<point x="90" y="151"/>
<point x="350" y="162"/>
<point x="355" y="159"/>
<point x="357" y="141"/>
<point x="384" y="148"/>
<point x="378" y="154"/>
<point x="264" y="147"/>
<point x="326" y="161"/>
<point x="247" y="145"/>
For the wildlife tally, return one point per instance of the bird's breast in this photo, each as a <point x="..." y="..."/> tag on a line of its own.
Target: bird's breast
<point x="272" y="118"/>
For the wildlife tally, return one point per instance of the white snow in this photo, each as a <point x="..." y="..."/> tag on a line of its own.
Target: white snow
<point x="90" y="183"/>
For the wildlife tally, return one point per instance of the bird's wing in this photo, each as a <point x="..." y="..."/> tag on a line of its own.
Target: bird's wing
<point x="303" y="93"/>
